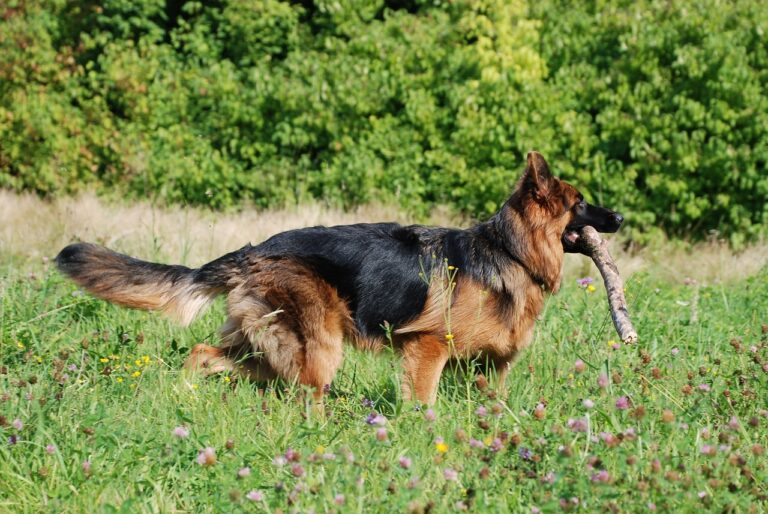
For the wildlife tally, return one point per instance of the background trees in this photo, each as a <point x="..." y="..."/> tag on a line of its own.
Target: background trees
<point x="658" y="108"/>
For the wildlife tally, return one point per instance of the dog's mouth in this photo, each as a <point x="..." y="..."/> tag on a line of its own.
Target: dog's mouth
<point x="571" y="239"/>
<point x="601" y="219"/>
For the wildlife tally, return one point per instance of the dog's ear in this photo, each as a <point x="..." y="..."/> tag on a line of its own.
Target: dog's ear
<point x="537" y="177"/>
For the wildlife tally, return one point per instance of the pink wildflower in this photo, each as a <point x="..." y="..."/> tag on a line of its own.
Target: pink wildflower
<point x="297" y="470"/>
<point x="207" y="457"/>
<point x="181" y="432"/>
<point x="255" y="496"/>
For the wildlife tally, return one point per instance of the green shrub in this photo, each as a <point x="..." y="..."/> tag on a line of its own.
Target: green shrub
<point x="672" y="105"/>
<point x="655" y="108"/>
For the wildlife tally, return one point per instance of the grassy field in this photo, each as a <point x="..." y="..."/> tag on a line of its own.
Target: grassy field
<point x="96" y="416"/>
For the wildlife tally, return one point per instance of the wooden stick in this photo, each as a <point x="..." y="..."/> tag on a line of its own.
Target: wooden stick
<point x="595" y="247"/>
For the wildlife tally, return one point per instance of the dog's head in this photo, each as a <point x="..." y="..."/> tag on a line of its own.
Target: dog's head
<point x="560" y="205"/>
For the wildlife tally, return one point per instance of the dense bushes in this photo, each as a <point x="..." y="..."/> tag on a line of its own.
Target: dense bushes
<point x="658" y="108"/>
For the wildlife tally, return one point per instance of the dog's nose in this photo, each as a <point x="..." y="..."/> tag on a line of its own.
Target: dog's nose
<point x="618" y="218"/>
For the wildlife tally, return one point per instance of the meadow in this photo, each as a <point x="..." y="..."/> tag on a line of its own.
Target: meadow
<point x="96" y="414"/>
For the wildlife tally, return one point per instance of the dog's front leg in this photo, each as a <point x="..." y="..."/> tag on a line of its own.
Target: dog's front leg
<point x="502" y="370"/>
<point x="423" y="361"/>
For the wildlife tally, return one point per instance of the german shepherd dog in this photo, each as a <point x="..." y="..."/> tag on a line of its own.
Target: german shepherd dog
<point x="433" y="293"/>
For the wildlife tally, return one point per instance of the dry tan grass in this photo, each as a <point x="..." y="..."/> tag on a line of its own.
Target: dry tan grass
<point x="31" y="229"/>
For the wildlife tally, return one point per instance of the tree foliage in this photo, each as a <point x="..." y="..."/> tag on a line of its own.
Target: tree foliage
<point x="657" y="108"/>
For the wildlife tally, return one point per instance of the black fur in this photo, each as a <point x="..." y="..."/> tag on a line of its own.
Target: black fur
<point x="382" y="269"/>
<point x="374" y="267"/>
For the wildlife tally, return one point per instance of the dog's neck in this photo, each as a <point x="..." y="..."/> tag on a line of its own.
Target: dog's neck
<point x="537" y="251"/>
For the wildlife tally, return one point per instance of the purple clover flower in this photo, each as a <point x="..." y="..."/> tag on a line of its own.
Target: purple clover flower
<point x="376" y="419"/>
<point x="578" y="424"/>
<point x="181" y="432"/>
<point x="255" y="496"/>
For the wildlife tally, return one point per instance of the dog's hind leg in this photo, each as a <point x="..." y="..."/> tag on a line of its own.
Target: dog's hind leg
<point x="423" y="362"/>
<point x="232" y="356"/>
<point x="295" y="321"/>
<point x="308" y="351"/>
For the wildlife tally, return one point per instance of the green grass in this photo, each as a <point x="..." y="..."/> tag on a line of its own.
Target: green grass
<point x="63" y="357"/>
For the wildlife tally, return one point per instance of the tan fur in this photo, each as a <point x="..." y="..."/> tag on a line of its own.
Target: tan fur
<point x="284" y="322"/>
<point x="481" y="325"/>
<point x="182" y="304"/>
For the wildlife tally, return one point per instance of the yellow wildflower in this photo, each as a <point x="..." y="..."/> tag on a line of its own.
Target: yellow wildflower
<point x="145" y="359"/>
<point x="320" y="449"/>
<point x="441" y="447"/>
<point x="119" y="380"/>
<point x="138" y="363"/>
<point x="591" y="288"/>
<point x="20" y="345"/>
<point x="103" y="359"/>
<point x="226" y="379"/>
<point x="449" y="337"/>
<point x="136" y="374"/>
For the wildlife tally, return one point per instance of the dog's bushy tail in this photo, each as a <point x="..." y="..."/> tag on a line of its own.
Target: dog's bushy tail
<point x="177" y="291"/>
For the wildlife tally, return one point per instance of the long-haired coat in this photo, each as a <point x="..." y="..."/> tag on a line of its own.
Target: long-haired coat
<point x="433" y="293"/>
